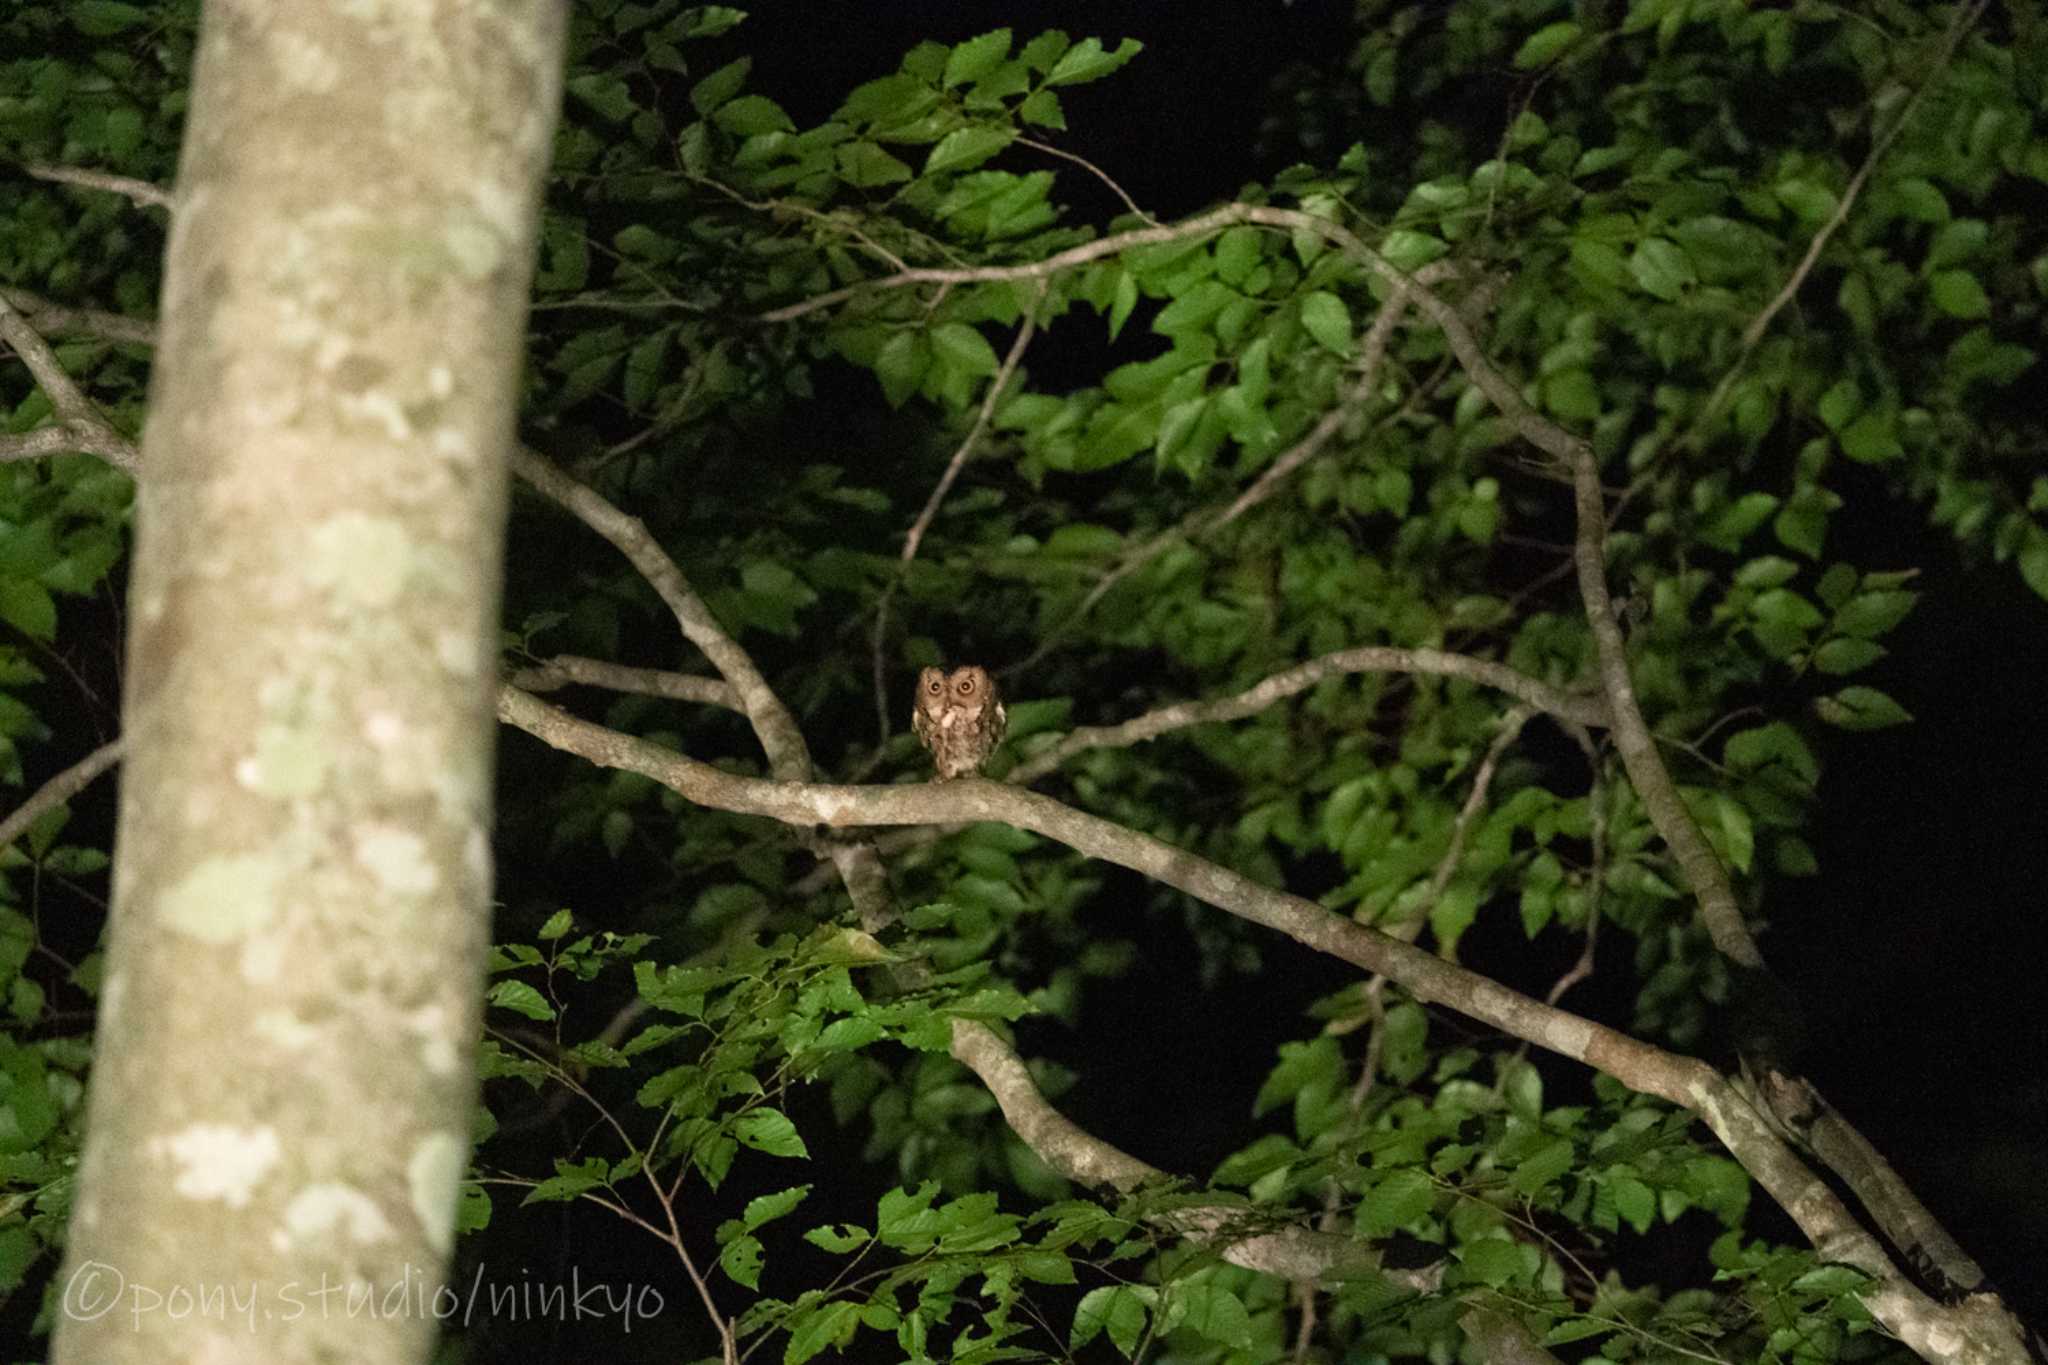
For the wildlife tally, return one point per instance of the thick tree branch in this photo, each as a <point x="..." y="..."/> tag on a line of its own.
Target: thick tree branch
<point x="1291" y="1252"/>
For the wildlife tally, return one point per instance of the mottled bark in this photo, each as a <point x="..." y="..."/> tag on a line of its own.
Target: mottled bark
<point x="284" y="1090"/>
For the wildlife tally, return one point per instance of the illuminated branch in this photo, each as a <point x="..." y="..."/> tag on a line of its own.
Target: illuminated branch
<point x="142" y="193"/>
<point x="1978" y="1330"/>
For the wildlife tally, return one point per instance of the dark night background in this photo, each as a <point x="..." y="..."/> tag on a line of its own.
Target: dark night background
<point x="1907" y="950"/>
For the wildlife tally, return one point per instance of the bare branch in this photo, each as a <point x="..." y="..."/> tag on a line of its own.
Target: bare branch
<point x="1579" y="709"/>
<point x="1085" y="164"/>
<point x="788" y="756"/>
<point x="564" y="669"/>
<point x="1571" y="709"/>
<point x="55" y="319"/>
<point x="80" y="425"/>
<point x="142" y="193"/>
<point x="58" y="790"/>
<point x="1290" y="1251"/>
<point x="1213" y="221"/>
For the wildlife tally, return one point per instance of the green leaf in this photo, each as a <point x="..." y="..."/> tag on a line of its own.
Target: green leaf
<point x="1870" y="439"/>
<point x="976" y="57"/>
<point x="1958" y="294"/>
<point x="1661" y="267"/>
<point x="1871" y="614"/>
<point x="1396" y="1201"/>
<point x="1545" y="44"/>
<point x="769" y="1130"/>
<point x="720" y="86"/>
<point x="1087" y="61"/>
<point x="1043" y="108"/>
<point x="966" y="147"/>
<point x="557" y="926"/>
<point x="750" y="115"/>
<point x="607" y="94"/>
<point x="98" y="18"/>
<point x="841" y="1239"/>
<point x="1324" y="317"/>
<point x="1846" y="655"/>
<point x="864" y="165"/>
<point x="25" y="605"/>
<point x="901" y="365"/>
<point x="1803" y="524"/>
<point x="769" y="1207"/>
<point x="1208" y="1308"/>
<point x="1493" y="1261"/>
<point x="1860" y="708"/>
<point x="822" y="1327"/>
<point x="964" y="348"/>
<point x="1813" y="203"/>
<point x="520" y="998"/>
<point x="1571" y="394"/>
<point x="741" y="1261"/>
<point x="1118" y="1309"/>
<point x="2034" y="559"/>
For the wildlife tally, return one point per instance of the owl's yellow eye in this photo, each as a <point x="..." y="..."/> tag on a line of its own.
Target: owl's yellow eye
<point x="966" y="686"/>
<point x="936" y="687"/>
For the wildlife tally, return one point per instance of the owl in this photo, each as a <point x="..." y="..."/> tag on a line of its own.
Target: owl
<point x="959" y="717"/>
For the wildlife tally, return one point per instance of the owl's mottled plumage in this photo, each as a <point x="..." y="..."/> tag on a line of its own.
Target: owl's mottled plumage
<point x="959" y="717"/>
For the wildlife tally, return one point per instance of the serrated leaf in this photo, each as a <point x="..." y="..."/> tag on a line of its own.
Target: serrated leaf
<point x="966" y="147"/>
<point x="769" y="1207"/>
<point x="769" y="1130"/>
<point x="1118" y="1309"/>
<point x="975" y="58"/>
<point x="1087" y="61"/>
<point x="520" y="998"/>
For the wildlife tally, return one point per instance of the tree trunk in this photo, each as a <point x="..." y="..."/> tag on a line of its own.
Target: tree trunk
<point x="283" y="1095"/>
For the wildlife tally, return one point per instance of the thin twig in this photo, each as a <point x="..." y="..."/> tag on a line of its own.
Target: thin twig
<point x="1753" y="335"/>
<point x="1085" y="164"/>
<point x="80" y="426"/>
<point x="788" y="756"/>
<point x="58" y="790"/>
<point x="560" y="670"/>
<point x="140" y="192"/>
